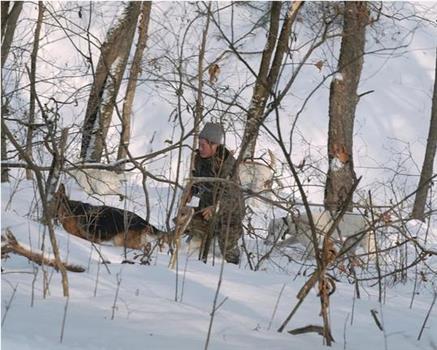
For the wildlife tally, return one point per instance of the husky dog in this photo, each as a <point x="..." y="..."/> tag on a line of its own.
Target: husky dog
<point x="103" y="223"/>
<point x="352" y="229"/>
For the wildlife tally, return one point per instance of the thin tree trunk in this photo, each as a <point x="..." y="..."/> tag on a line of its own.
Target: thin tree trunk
<point x="4" y="15"/>
<point x="55" y="172"/>
<point x="109" y="73"/>
<point x="4" y="154"/>
<point x="9" y="23"/>
<point x="32" y="77"/>
<point x="342" y="105"/>
<point x="428" y="162"/>
<point x="261" y="89"/>
<point x="268" y="75"/>
<point x="8" y="28"/>
<point x="46" y="213"/>
<point x="198" y="110"/>
<point x="134" y="73"/>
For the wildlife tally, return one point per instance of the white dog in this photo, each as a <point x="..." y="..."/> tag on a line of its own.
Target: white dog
<point x="292" y="229"/>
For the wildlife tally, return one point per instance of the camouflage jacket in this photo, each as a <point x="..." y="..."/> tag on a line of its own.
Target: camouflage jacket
<point x="227" y="196"/>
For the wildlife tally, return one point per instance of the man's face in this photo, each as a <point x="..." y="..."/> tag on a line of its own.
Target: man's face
<point x="206" y="148"/>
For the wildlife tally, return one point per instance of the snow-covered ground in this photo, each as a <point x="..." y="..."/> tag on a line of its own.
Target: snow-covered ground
<point x="146" y="315"/>
<point x="389" y="143"/>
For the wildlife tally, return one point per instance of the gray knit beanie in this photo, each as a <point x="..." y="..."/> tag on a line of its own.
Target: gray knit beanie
<point x="212" y="132"/>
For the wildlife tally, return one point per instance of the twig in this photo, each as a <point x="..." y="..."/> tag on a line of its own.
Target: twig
<point x="101" y="257"/>
<point x="176" y="290"/>
<point x="63" y="319"/>
<point x="221" y="303"/>
<point x="374" y="314"/>
<point x="247" y="253"/>
<point x="427" y="315"/>
<point x="217" y="292"/>
<point x="276" y="306"/>
<point x="378" y="267"/>
<point x="97" y="279"/>
<point x="321" y="266"/>
<point x="8" y="305"/>
<point x="35" y="274"/>
<point x="344" y="331"/>
<point x="116" y="296"/>
<point x="416" y="277"/>
<point x="309" y="329"/>
<point x="353" y="308"/>
<point x="17" y="271"/>
<point x="12" y="246"/>
<point x="183" y="278"/>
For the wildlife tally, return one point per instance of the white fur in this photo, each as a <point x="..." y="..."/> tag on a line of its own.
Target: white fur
<point x="256" y="177"/>
<point x="291" y="230"/>
<point x="99" y="181"/>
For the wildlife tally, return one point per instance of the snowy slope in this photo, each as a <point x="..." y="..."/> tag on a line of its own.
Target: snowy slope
<point x="146" y="315"/>
<point x="391" y="124"/>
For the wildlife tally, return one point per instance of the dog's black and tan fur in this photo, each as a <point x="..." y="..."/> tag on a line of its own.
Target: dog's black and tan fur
<point x="103" y="223"/>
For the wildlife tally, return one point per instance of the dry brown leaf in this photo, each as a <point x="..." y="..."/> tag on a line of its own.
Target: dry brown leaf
<point x="214" y="71"/>
<point x="319" y="65"/>
<point x="386" y="218"/>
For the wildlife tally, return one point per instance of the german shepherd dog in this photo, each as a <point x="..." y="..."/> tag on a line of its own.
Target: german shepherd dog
<point x="104" y="223"/>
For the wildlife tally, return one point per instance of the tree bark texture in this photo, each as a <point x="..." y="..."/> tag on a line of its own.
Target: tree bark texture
<point x="9" y="23"/>
<point x="43" y="196"/>
<point x="8" y="28"/>
<point x="343" y="101"/>
<point x="428" y="162"/>
<point x="135" y="71"/>
<point x="11" y="245"/>
<point x="5" y="170"/>
<point x="4" y="14"/>
<point x="32" y="78"/>
<point x="55" y="172"/>
<point x="198" y="110"/>
<point x="268" y="73"/>
<point x="107" y="79"/>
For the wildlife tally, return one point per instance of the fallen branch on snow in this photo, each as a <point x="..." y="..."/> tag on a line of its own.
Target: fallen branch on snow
<point x="11" y="245"/>
<point x="309" y="329"/>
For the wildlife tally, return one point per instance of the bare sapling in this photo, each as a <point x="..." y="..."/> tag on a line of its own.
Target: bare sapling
<point x="114" y="306"/>
<point x="217" y="292"/>
<point x="9" y="303"/>
<point x="64" y="318"/>
<point x="427" y="315"/>
<point x="276" y="306"/>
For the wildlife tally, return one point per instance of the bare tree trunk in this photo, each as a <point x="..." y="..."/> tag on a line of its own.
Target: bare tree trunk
<point x="261" y="89"/>
<point x="342" y="105"/>
<point x="268" y="75"/>
<point x="5" y="170"/>
<point x="4" y="154"/>
<point x="9" y="23"/>
<point x="134" y="73"/>
<point x="8" y="28"/>
<point x="46" y="212"/>
<point x="198" y="110"/>
<point x="427" y="167"/>
<point x="32" y="79"/>
<point x="55" y="171"/>
<point x="4" y="14"/>
<point x="109" y="73"/>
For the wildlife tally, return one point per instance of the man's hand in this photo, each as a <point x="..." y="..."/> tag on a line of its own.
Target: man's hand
<point x="207" y="212"/>
<point x="188" y="199"/>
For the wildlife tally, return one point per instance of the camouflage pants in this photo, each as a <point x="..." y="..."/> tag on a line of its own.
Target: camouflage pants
<point x="205" y="231"/>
